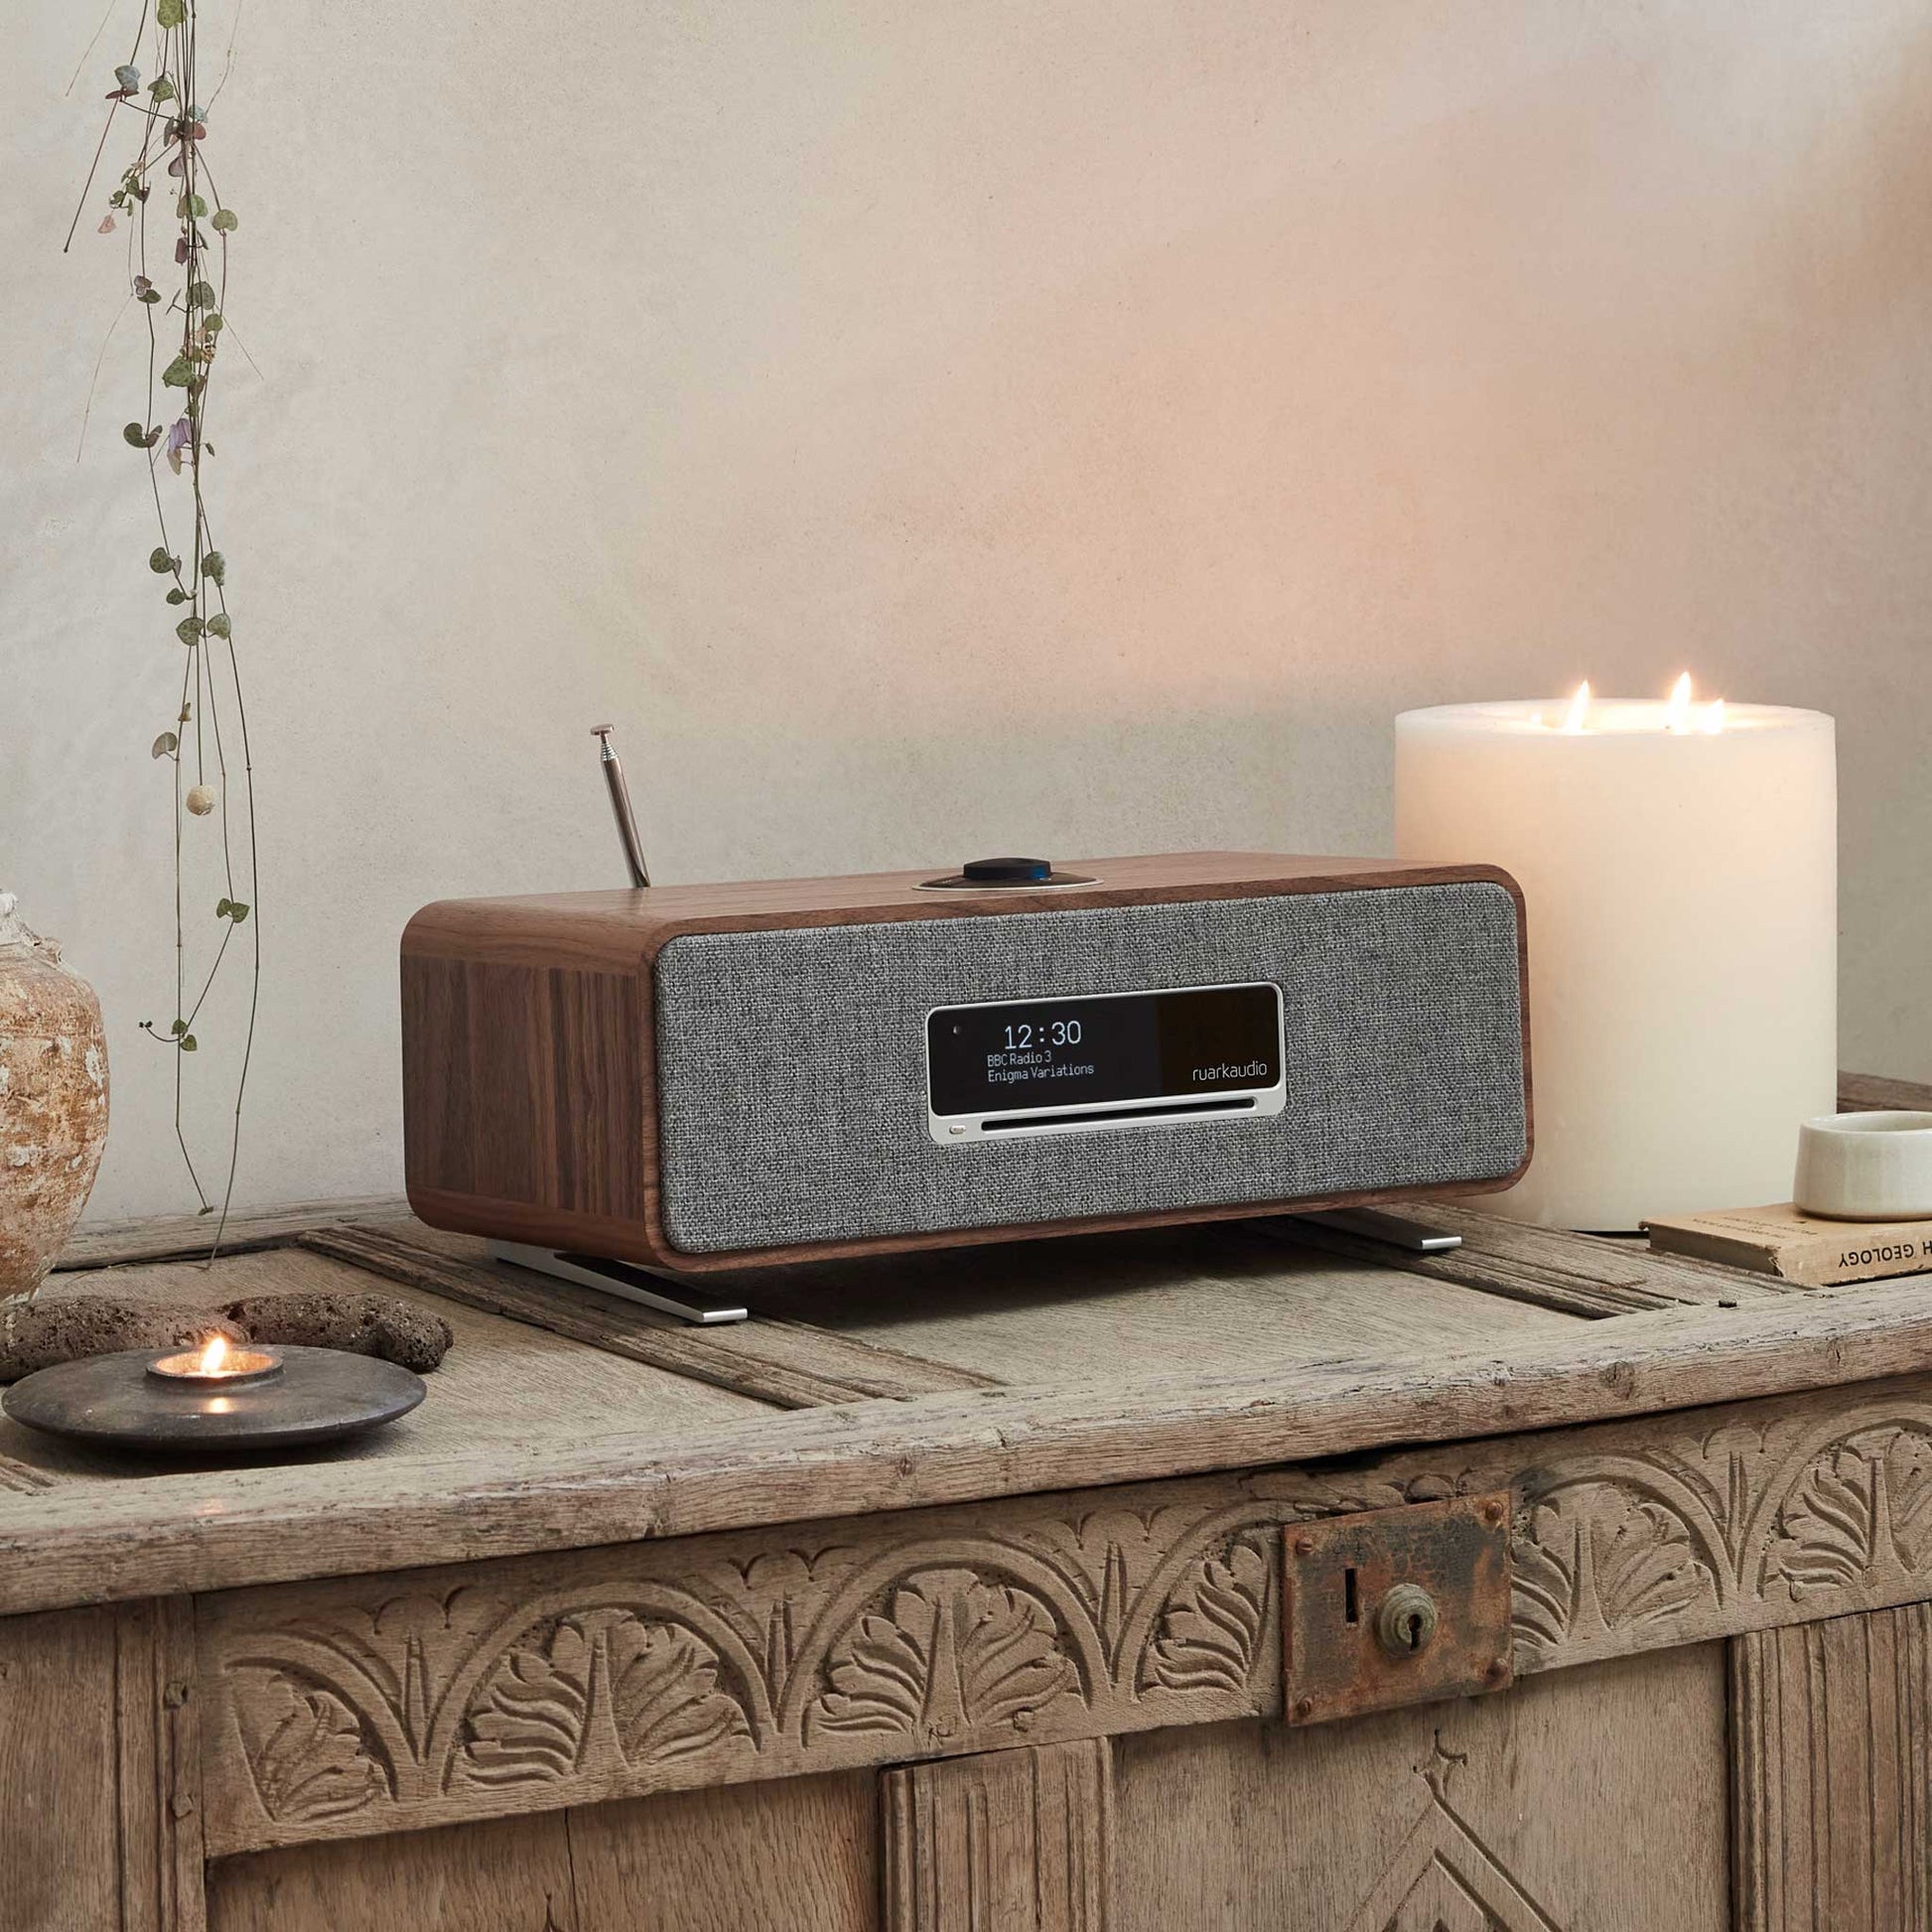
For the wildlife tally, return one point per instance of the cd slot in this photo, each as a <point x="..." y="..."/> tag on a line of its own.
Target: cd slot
<point x="1114" y="1115"/>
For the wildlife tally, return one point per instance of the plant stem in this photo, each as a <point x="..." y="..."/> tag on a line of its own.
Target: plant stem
<point x="140" y="28"/>
<point x="169" y="127"/>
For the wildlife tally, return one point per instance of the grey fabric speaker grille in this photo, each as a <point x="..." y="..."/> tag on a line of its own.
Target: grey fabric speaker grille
<point x="791" y="1063"/>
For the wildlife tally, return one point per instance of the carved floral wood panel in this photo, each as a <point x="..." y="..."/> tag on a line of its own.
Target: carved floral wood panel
<point x="371" y="1704"/>
<point x="1777" y="1514"/>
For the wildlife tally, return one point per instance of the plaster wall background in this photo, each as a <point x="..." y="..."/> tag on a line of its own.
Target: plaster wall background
<point x="927" y="430"/>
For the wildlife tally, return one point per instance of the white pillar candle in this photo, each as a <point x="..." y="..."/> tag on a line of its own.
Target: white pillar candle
<point x="1678" y="864"/>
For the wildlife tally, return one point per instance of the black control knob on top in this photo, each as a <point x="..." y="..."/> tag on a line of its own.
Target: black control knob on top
<point x="1006" y="871"/>
<point x="1006" y="876"/>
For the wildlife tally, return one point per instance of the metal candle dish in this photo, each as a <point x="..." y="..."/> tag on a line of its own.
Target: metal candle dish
<point x="178" y="1403"/>
<point x="216" y="1365"/>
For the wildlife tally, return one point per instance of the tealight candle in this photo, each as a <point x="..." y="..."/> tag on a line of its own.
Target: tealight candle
<point x="1678" y="864"/>
<point x="215" y="1364"/>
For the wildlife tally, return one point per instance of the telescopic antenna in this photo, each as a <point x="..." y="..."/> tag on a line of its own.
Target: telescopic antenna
<point x="633" y="851"/>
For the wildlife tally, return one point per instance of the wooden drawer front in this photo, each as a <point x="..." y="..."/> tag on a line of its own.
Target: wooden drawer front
<point x="374" y="1703"/>
<point x="1591" y="1799"/>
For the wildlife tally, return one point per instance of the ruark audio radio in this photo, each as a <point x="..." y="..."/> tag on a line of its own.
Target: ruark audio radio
<point x="706" y="1077"/>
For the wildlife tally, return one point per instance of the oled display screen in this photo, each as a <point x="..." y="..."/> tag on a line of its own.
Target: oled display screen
<point x="1027" y="1055"/>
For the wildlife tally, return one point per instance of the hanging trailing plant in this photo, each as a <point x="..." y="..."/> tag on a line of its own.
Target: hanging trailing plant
<point x="167" y="195"/>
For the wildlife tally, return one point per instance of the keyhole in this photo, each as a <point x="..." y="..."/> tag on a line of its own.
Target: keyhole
<point x="1405" y="1620"/>
<point x="1351" y="1604"/>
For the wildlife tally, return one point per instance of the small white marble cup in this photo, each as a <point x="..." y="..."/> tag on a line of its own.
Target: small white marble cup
<point x="1865" y="1167"/>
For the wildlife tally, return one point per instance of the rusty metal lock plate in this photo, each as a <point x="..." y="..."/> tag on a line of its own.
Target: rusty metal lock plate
<point x="1395" y="1606"/>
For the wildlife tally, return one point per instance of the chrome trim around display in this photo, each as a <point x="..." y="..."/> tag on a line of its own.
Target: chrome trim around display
<point x="1152" y="1110"/>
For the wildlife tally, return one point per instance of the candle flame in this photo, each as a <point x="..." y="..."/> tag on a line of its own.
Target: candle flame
<point x="213" y="1355"/>
<point x="1576" y="718"/>
<point x="1680" y="717"/>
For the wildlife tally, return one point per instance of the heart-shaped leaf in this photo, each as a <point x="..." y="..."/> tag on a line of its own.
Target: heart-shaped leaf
<point x="164" y="745"/>
<point x="170" y="13"/>
<point x="189" y="629"/>
<point x="135" y="434"/>
<point x="160" y="562"/>
<point x="226" y="220"/>
<point x="218" y="624"/>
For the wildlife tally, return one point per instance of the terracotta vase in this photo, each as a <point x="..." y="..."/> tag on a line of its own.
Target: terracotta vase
<point x="53" y="1101"/>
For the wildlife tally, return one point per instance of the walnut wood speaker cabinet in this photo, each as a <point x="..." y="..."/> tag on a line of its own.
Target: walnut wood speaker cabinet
<point x="709" y="1076"/>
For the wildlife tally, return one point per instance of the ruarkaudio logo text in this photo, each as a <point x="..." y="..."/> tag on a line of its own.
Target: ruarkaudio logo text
<point x="1254" y="1070"/>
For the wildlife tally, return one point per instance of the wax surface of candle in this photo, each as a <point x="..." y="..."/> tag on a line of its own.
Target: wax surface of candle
<point x="1680" y="872"/>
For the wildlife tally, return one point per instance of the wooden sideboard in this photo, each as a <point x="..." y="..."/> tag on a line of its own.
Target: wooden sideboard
<point x="948" y="1594"/>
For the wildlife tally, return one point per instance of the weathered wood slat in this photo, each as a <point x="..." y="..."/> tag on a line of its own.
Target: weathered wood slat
<point x="158" y="1774"/>
<point x="99" y="1772"/>
<point x="512" y="1874"/>
<point x="1831" y="1725"/>
<point x="23" y="1478"/>
<point x="1619" y="1263"/>
<point x="799" y="1855"/>
<point x="1220" y="1301"/>
<point x="1577" y="1274"/>
<point x="217" y="1529"/>
<point x="503" y="1386"/>
<point x="1874" y="1093"/>
<point x="1017" y="1838"/>
<point x="787" y="1363"/>
<point x="181" y="1237"/>
<point x="1486" y="1274"/>
<point x="60" y="1872"/>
